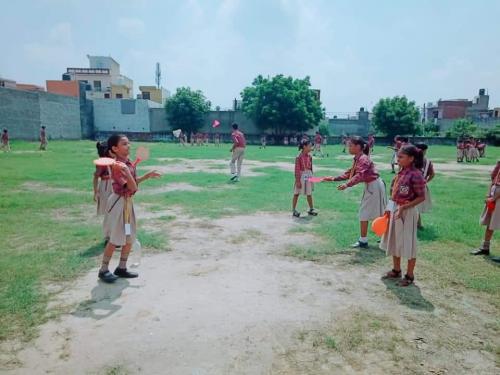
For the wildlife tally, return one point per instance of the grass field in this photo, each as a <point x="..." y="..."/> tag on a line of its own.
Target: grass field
<point x="46" y="239"/>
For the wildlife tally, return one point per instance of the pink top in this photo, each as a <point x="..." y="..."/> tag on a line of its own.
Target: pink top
<point x="120" y="181"/>
<point x="371" y="141"/>
<point x="303" y="162"/>
<point x="238" y="139"/>
<point x="42" y="134"/>
<point x="408" y="185"/>
<point x="5" y="137"/>
<point x="318" y="139"/>
<point x="362" y="170"/>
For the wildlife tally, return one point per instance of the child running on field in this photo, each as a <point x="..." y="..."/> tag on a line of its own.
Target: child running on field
<point x="407" y="192"/>
<point x="303" y="171"/>
<point x="120" y="215"/>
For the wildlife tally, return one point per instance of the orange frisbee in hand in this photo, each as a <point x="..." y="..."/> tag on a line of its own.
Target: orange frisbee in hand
<point x="104" y="162"/>
<point x="380" y="225"/>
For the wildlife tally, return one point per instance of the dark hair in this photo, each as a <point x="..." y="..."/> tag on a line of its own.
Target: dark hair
<point x="416" y="153"/>
<point x="113" y="140"/>
<point x="303" y="143"/>
<point x="422" y="146"/>
<point x="403" y="139"/>
<point x="5" y="130"/>
<point x="234" y="125"/>
<point x="43" y="127"/>
<point x="357" y="140"/>
<point x="102" y="149"/>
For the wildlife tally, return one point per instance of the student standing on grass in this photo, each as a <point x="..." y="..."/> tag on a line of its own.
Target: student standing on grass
<point x="371" y="142"/>
<point x="5" y="141"/>
<point x="428" y="173"/>
<point x="303" y="171"/>
<point x="318" y="140"/>
<point x="43" y="139"/>
<point x="460" y="150"/>
<point x="374" y="199"/>
<point x="102" y="185"/>
<point x="238" y="150"/>
<point x="120" y="215"/>
<point x="407" y="192"/>
<point x="263" y="141"/>
<point x="491" y="214"/>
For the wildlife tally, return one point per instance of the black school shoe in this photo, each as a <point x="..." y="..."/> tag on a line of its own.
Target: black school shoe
<point x="122" y="272"/>
<point x="480" y="252"/>
<point x="107" y="277"/>
<point x="312" y="212"/>
<point x="359" y="244"/>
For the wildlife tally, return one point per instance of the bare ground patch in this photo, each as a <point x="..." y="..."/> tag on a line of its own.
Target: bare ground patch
<point x="177" y="165"/>
<point x="226" y="300"/>
<point x="41" y="187"/>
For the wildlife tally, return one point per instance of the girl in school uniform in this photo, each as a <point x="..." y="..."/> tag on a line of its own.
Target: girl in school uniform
<point x="460" y="150"/>
<point x="473" y="151"/>
<point x="102" y="181"/>
<point x="407" y="192"/>
<point x="428" y="173"/>
<point x="5" y="141"/>
<point x="491" y="213"/>
<point x="120" y="215"/>
<point x="303" y="170"/>
<point x="373" y="202"/>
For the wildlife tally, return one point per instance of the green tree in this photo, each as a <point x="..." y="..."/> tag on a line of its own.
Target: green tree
<point x="282" y="104"/>
<point x="398" y="115"/>
<point x="431" y="129"/>
<point x="462" y="128"/>
<point x="187" y="109"/>
<point x="323" y="128"/>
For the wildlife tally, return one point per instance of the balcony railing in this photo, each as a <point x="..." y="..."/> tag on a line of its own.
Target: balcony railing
<point x="87" y="70"/>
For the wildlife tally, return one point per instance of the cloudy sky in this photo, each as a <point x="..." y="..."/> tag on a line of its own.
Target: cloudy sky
<point x="354" y="51"/>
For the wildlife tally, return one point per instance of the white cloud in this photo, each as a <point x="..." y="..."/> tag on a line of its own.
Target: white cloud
<point x="131" y="27"/>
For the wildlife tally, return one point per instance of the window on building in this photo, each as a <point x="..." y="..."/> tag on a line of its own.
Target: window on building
<point x="97" y="85"/>
<point x="146" y="95"/>
<point x="106" y="96"/>
<point x="119" y="96"/>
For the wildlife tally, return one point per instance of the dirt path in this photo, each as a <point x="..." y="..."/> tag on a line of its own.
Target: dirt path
<point x="228" y="301"/>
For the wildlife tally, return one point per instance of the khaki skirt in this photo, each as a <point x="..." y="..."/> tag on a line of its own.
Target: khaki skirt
<point x="374" y="201"/>
<point x="492" y="219"/>
<point x="473" y="153"/>
<point x="105" y="189"/>
<point x="114" y="221"/>
<point x="307" y="187"/>
<point x="400" y="240"/>
<point x="426" y="205"/>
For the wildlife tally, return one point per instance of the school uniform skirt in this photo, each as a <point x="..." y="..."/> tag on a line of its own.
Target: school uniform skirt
<point x="394" y="158"/>
<point x="105" y="189"/>
<point x="492" y="219"/>
<point x="426" y="205"/>
<point x="374" y="200"/>
<point x="460" y="153"/>
<point x="473" y="153"/>
<point x="114" y="220"/>
<point x="307" y="187"/>
<point x="400" y="240"/>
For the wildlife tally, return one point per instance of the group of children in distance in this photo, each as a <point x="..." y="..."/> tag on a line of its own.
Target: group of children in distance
<point x="470" y="149"/>
<point x="5" y="141"/>
<point x="409" y="196"/>
<point x="114" y="189"/>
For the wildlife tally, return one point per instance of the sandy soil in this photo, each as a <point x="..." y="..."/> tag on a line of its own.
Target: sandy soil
<point x="226" y="300"/>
